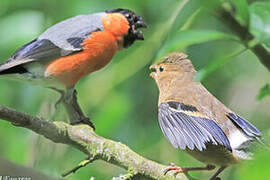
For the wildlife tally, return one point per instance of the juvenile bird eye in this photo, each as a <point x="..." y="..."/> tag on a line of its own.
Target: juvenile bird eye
<point x="161" y="68"/>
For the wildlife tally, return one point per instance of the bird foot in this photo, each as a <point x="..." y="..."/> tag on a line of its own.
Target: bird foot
<point x="173" y="167"/>
<point x="84" y="120"/>
<point x="186" y="170"/>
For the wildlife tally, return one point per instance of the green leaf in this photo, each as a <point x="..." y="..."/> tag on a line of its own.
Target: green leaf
<point x="182" y="18"/>
<point x="186" y="38"/>
<point x="203" y="73"/>
<point x="260" y="20"/>
<point x="242" y="13"/>
<point x="264" y="91"/>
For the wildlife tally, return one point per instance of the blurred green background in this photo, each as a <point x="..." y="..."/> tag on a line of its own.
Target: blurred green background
<point x="121" y="99"/>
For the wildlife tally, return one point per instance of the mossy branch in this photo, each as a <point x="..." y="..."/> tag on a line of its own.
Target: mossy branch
<point x="83" y="138"/>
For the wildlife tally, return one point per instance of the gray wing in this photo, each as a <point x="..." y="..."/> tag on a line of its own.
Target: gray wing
<point x="67" y="34"/>
<point x="32" y="51"/>
<point x="184" y="130"/>
<point x="62" y="39"/>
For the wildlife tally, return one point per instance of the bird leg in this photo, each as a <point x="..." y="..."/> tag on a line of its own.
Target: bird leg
<point x="62" y="94"/>
<point x="69" y="99"/>
<point x="185" y="170"/>
<point x="214" y="177"/>
<point x="75" y="113"/>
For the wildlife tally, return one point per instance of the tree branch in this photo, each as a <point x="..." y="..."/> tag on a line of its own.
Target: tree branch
<point x="86" y="140"/>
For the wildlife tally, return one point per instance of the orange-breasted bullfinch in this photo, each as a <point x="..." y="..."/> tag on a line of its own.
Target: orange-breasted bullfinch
<point x="193" y="120"/>
<point x="71" y="49"/>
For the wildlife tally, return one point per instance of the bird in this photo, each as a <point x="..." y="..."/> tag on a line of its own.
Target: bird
<point x="72" y="49"/>
<point x="193" y="120"/>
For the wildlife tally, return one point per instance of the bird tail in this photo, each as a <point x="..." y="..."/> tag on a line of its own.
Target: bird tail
<point x="3" y="67"/>
<point x="7" y="68"/>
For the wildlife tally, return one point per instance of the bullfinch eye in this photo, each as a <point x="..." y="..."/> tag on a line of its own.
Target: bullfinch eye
<point x="161" y="69"/>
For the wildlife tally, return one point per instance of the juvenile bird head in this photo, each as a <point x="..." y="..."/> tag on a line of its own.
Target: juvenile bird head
<point x="135" y="22"/>
<point x="175" y="67"/>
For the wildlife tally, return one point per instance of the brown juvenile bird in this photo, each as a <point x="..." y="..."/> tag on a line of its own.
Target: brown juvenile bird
<point x="194" y="120"/>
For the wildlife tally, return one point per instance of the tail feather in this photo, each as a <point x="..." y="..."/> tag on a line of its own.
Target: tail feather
<point x="16" y="69"/>
<point x="11" y="67"/>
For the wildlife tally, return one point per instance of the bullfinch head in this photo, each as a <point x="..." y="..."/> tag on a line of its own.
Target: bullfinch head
<point x="135" y="22"/>
<point x="176" y="67"/>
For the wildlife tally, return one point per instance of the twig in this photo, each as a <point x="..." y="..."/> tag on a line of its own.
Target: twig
<point x="80" y="165"/>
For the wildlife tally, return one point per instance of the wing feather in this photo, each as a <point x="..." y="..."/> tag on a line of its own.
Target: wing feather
<point x="187" y="131"/>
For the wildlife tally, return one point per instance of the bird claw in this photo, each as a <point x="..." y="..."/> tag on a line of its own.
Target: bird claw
<point x="173" y="167"/>
<point x="177" y="170"/>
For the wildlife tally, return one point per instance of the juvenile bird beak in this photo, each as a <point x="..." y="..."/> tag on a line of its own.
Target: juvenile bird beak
<point x="153" y="69"/>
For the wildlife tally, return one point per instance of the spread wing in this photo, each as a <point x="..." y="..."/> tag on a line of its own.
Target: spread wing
<point x="185" y="127"/>
<point x="62" y="39"/>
